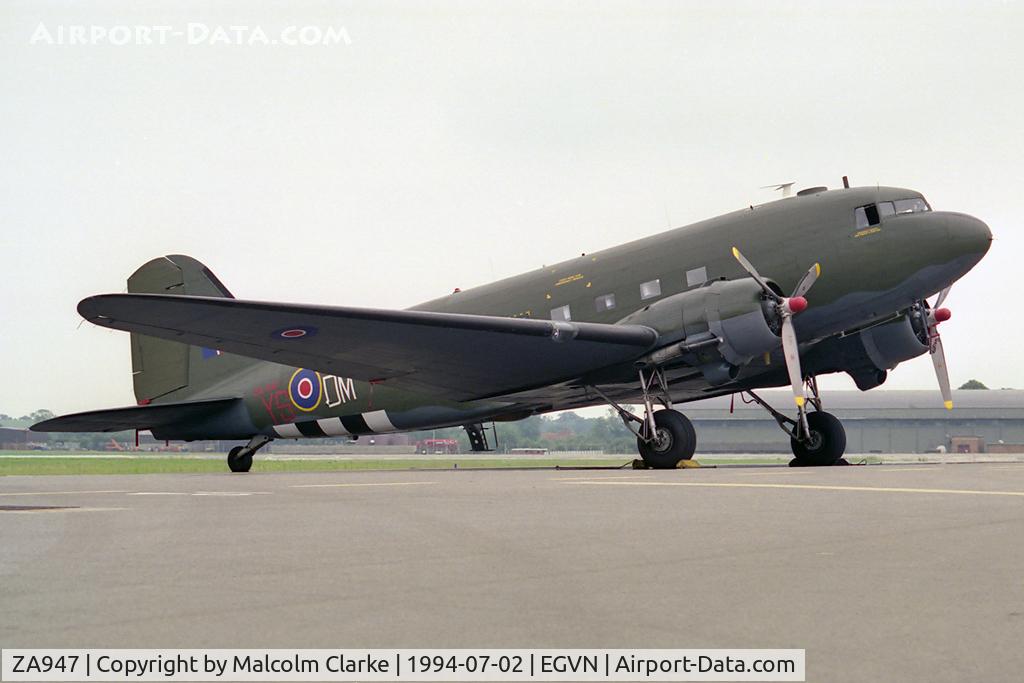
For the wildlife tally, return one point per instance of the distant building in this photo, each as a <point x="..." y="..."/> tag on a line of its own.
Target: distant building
<point x="13" y="439"/>
<point x="879" y="421"/>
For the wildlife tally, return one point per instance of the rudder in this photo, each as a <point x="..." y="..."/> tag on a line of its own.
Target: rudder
<point x="164" y="370"/>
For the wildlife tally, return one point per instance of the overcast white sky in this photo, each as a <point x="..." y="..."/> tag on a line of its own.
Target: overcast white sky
<point x="449" y="144"/>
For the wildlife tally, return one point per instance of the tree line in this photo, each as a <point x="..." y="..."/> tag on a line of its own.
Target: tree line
<point x="563" y="432"/>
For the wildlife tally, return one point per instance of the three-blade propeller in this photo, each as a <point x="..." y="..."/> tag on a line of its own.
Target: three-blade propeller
<point x="787" y="307"/>
<point x="935" y="315"/>
<point x="790" y="306"/>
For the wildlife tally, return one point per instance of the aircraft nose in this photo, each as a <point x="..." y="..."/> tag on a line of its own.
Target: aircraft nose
<point x="969" y="235"/>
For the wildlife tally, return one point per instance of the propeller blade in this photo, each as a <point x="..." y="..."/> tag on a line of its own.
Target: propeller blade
<point x="787" y="309"/>
<point x="941" y="371"/>
<point x="791" y="352"/>
<point x="938" y="315"/>
<point x="749" y="267"/>
<point x="809" y="278"/>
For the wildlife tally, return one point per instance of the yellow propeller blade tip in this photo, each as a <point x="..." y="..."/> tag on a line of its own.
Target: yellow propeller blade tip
<point x="948" y="404"/>
<point x="735" y="253"/>
<point x="817" y="269"/>
<point x="799" y="401"/>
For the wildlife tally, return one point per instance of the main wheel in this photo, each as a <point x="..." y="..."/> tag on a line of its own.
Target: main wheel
<point x="238" y="462"/>
<point x="825" y="444"/>
<point x="674" y="440"/>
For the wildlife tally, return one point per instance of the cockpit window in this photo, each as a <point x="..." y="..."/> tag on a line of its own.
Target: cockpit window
<point x="913" y="205"/>
<point x="872" y="214"/>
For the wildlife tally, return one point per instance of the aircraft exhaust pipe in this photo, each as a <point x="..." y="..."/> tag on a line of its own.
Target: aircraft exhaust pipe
<point x="673" y="351"/>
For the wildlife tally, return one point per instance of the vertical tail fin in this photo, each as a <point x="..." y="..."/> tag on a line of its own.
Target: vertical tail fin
<point x="164" y="370"/>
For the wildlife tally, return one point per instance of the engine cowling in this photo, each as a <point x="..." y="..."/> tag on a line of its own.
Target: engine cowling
<point x="733" y="315"/>
<point x="868" y="355"/>
<point x="891" y="343"/>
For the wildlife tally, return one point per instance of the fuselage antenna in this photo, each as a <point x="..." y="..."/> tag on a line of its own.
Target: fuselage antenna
<point x="785" y="188"/>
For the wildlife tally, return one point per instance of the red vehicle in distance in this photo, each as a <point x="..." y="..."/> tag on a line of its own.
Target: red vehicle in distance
<point x="437" y="446"/>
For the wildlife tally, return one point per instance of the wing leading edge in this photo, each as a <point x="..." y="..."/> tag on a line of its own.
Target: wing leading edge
<point x="451" y="355"/>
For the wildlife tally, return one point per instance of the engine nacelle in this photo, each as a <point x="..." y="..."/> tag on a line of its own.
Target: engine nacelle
<point x="868" y="355"/>
<point x="733" y="312"/>
<point x="889" y="344"/>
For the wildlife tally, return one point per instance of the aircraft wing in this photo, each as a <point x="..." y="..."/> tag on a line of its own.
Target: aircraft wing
<point x="135" y="417"/>
<point x="451" y="355"/>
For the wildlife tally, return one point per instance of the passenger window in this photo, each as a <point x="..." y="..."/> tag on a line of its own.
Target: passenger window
<point x="605" y="302"/>
<point x="885" y="209"/>
<point x="866" y="216"/>
<point x="649" y="290"/>
<point x="697" y="276"/>
<point x="561" y="313"/>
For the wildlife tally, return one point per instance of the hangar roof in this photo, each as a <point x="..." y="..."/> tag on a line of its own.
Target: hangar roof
<point x="879" y="404"/>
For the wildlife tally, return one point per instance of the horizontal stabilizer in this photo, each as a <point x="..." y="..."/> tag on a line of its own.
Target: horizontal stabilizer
<point x="449" y="355"/>
<point x="153" y="416"/>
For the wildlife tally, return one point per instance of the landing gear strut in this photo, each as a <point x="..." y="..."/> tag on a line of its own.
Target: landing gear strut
<point x="663" y="437"/>
<point x="816" y="438"/>
<point x="240" y="457"/>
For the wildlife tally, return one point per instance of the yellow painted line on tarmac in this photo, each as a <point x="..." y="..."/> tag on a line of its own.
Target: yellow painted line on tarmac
<point x="900" y="468"/>
<point x="200" y="493"/>
<point x="61" y="509"/>
<point x="345" y="486"/>
<point x="790" y="470"/>
<point x="612" y="478"/>
<point x="158" y="493"/>
<point x="231" y="494"/>
<point x="60" y="493"/>
<point x="897" y="468"/>
<point x="812" y="487"/>
<point x="816" y="470"/>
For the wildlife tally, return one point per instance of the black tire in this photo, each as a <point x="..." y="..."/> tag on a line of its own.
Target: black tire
<point x="238" y="462"/>
<point x="677" y="441"/>
<point x="827" y="443"/>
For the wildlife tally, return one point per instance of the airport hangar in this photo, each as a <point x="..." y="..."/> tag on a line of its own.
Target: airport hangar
<point x="879" y="421"/>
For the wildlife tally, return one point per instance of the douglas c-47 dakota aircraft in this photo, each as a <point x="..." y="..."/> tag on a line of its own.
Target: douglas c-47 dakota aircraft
<point x="840" y="285"/>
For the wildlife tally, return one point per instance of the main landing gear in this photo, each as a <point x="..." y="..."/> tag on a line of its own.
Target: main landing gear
<point x="240" y="457"/>
<point x="674" y="440"/>
<point x="664" y="437"/>
<point x="817" y="438"/>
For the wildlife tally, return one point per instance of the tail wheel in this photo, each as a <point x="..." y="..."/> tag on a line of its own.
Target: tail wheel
<point x="239" y="460"/>
<point x="674" y="440"/>
<point x="825" y="444"/>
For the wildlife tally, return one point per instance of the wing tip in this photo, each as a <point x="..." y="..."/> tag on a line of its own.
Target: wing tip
<point x="88" y="307"/>
<point x="91" y="307"/>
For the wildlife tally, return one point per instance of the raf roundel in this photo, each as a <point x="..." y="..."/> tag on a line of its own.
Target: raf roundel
<point x="297" y="332"/>
<point x="305" y="389"/>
